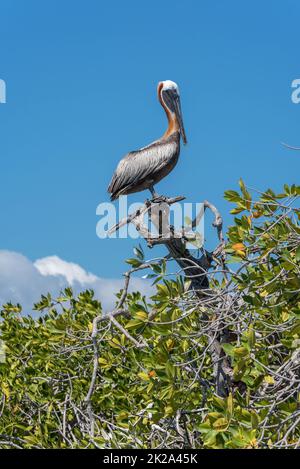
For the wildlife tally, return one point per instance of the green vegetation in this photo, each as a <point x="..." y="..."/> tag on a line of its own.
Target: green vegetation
<point x="213" y="369"/>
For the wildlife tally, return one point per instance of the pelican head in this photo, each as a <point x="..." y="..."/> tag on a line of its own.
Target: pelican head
<point x="168" y="93"/>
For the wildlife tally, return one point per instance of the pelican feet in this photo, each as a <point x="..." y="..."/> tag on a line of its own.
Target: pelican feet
<point x="159" y="198"/>
<point x="156" y="198"/>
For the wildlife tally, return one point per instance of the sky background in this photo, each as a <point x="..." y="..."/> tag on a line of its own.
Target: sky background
<point x="81" y="82"/>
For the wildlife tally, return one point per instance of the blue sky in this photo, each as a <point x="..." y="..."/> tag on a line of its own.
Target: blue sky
<point x="81" y="92"/>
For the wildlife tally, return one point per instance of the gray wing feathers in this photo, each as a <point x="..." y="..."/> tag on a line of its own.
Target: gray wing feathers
<point x="141" y="165"/>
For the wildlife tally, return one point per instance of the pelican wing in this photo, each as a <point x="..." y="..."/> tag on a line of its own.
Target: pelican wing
<point x="142" y="165"/>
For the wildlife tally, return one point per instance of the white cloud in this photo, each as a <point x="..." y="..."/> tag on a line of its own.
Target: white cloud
<point x="53" y="265"/>
<point x="23" y="281"/>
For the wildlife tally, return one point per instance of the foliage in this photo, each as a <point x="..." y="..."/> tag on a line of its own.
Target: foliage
<point x="157" y="369"/>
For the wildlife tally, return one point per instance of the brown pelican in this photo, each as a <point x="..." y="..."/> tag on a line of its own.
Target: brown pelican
<point x="141" y="169"/>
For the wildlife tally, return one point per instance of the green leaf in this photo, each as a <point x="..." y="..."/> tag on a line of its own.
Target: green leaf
<point x="228" y="349"/>
<point x="251" y="336"/>
<point x="133" y="324"/>
<point x="134" y="262"/>
<point x="220" y="424"/>
<point x="144" y="376"/>
<point x="232" y="196"/>
<point x="230" y="404"/>
<point x="170" y="370"/>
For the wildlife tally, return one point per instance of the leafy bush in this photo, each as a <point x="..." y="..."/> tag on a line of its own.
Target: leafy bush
<point x="212" y="369"/>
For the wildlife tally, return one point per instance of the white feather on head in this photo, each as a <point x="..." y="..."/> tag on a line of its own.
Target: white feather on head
<point x="170" y="85"/>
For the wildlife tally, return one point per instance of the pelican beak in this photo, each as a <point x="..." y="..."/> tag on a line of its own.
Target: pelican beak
<point x="178" y="112"/>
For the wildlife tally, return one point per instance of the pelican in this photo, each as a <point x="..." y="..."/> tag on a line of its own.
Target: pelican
<point x="141" y="169"/>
